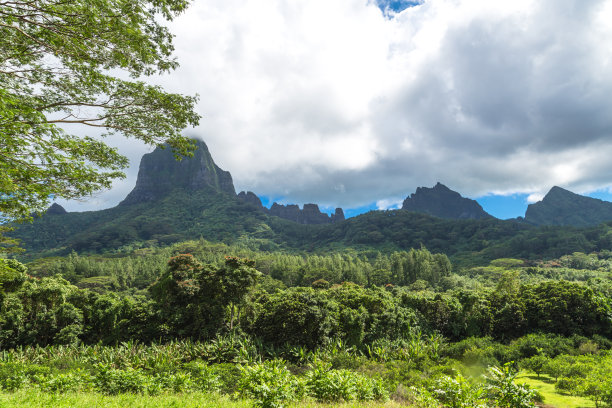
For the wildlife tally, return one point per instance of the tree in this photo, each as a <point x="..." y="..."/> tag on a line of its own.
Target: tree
<point x="194" y="298"/>
<point x="230" y="284"/>
<point x="537" y="363"/>
<point x="57" y="60"/>
<point x="12" y="275"/>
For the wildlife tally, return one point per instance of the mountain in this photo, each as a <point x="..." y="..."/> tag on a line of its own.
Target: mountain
<point x="441" y="201"/>
<point x="160" y="173"/>
<point x="562" y="207"/>
<point x="200" y="203"/>
<point x="55" y="209"/>
<point x="308" y="215"/>
<point x="171" y="201"/>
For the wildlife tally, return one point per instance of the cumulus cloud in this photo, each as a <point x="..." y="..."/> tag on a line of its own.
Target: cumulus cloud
<point x="343" y="103"/>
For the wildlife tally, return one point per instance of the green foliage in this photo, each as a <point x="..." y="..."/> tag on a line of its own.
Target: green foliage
<point x="566" y="308"/>
<point x="12" y="376"/>
<point x="198" y="295"/>
<point x="204" y="377"/>
<point x="56" y="60"/>
<point x="330" y="385"/>
<point x="502" y="388"/>
<point x="112" y="381"/>
<point x="269" y="384"/>
<point x="300" y="316"/>
<point x="535" y="364"/>
<point x="459" y="392"/>
<point x="12" y="274"/>
<point x="60" y="383"/>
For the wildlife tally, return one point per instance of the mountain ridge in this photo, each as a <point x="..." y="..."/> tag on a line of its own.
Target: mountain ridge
<point x="200" y="201"/>
<point x="563" y="207"/>
<point x="441" y="201"/>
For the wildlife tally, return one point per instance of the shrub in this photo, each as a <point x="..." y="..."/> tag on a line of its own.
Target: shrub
<point x="536" y="363"/>
<point x="229" y="376"/>
<point x="269" y="384"/>
<point x="459" y="392"/>
<point x="173" y="382"/>
<point x="203" y="376"/>
<point x="112" y="381"/>
<point x="328" y="385"/>
<point x="502" y="388"/>
<point x="567" y="384"/>
<point x="64" y="382"/>
<point x="12" y="376"/>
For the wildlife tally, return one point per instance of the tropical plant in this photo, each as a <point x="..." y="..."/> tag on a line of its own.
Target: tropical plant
<point x="504" y="391"/>
<point x="269" y="384"/>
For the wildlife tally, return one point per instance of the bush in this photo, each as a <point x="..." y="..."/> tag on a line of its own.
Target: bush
<point x="269" y="384"/>
<point x="566" y="384"/>
<point x="229" y="376"/>
<point x="328" y="385"/>
<point x="64" y="382"/>
<point x="173" y="382"/>
<point x="203" y="376"/>
<point x="505" y="392"/>
<point x="12" y="376"/>
<point x="112" y="381"/>
<point x="459" y="392"/>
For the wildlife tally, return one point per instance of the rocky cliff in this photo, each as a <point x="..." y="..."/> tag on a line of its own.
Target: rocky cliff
<point x="309" y="214"/>
<point x="562" y="207"/>
<point x="55" y="209"/>
<point x="250" y="198"/>
<point x="441" y="201"/>
<point x="160" y="173"/>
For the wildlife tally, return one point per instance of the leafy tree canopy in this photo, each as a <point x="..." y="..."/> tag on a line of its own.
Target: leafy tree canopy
<point x="79" y="62"/>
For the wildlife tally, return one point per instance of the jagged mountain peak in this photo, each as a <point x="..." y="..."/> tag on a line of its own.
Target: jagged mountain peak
<point x="441" y="201"/>
<point x="160" y="173"/>
<point x="55" y="209"/>
<point x="563" y="207"/>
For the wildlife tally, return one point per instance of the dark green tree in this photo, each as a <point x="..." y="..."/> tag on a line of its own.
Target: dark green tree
<point x="65" y="63"/>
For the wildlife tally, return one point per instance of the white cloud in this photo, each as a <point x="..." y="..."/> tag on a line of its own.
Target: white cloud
<point x="300" y="97"/>
<point x="534" y="198"/>
<point x="389" y="204"/>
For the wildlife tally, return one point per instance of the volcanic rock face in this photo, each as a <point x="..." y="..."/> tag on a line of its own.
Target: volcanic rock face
<point x="338" y="216"/>
<point x="440" y="201"/>
<point x="310" y="214"/>
<point x="55" y="209"/>
<point x="250" y="198"/>
<point x="562" y="207"/>
<point x="160" y="173"/>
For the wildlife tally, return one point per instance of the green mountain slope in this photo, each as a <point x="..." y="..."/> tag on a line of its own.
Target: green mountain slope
<point x="562" y="207"/>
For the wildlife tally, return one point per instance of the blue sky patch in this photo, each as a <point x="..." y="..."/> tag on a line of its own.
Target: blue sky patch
<point x="396" y="5"/>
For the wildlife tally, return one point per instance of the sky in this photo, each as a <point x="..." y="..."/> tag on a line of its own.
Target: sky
<point x="356" y="103"/>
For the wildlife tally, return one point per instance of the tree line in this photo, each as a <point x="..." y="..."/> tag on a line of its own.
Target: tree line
<point x="193" y="300"/>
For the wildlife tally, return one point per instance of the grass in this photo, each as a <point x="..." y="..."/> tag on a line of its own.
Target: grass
<point x="37" y="399"/>
<point x="546" y="386"/>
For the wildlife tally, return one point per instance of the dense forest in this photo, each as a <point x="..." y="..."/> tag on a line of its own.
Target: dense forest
<point x="209" y="317"/>
<point x="221" y="218"/>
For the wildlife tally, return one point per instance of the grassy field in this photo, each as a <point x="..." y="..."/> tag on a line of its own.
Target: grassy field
<point x="37" y="399"/>
<point x="552" y="398"/>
